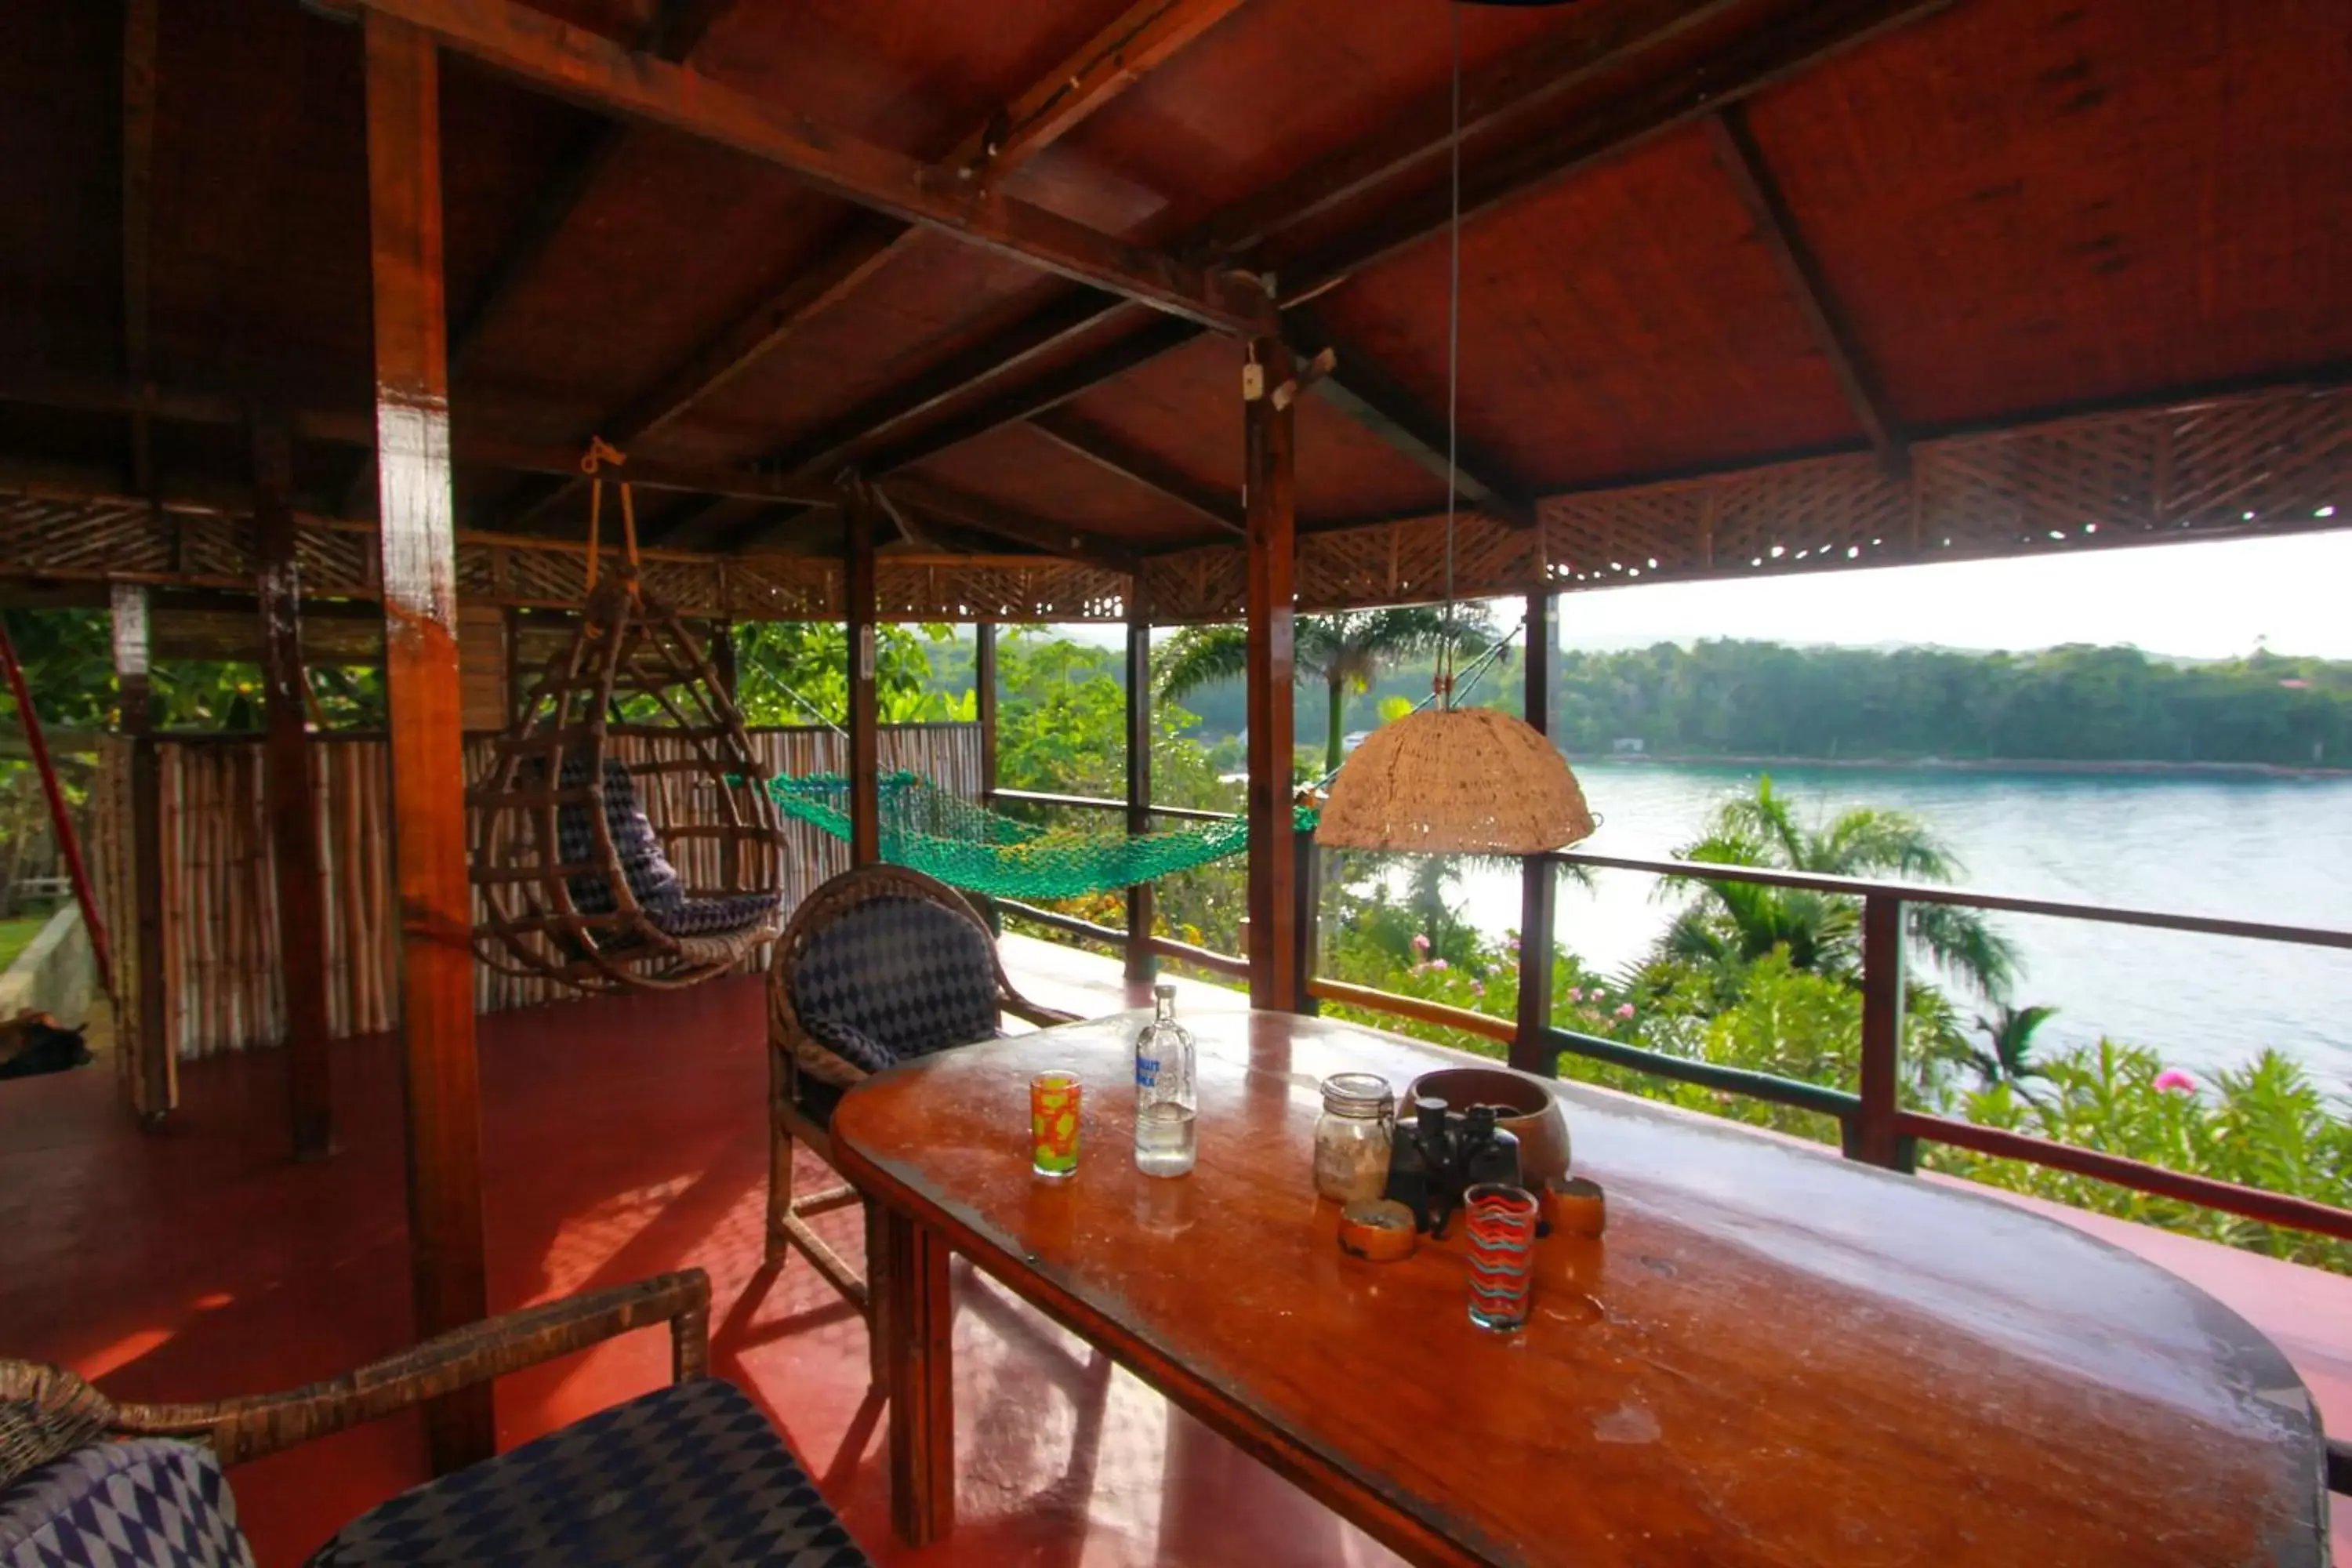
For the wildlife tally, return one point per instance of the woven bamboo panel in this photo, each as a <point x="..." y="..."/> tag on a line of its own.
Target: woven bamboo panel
<point x="41" y="536"/>
<point x="1190" y="585"/>
<point x="690" y="586"/>
<point x="1404" y="562"/>
<point x="783" y="588"/>
<point x="337" y="558"/>
<point x="556" y="577"/>
<point x="995" y="589"/>
<point x="217" y="549"/>
<point x="2280" y="460"/>
<point x="222" y="985"/>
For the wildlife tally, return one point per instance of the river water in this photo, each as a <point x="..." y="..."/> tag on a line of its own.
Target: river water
<point x="2275" y="850"/>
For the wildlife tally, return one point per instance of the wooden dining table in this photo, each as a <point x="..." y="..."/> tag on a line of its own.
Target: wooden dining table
<point x="1772" y="1355"/>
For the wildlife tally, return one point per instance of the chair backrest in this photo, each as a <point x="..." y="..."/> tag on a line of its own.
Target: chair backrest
<point x="147" y="1503"/>
<point x="653" y="881"/>
<point x="911" y="969"/>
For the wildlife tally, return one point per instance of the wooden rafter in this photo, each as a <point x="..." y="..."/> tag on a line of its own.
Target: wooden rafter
<point x="1141" y="39"/>
<point x="1776" y="229"/>
<point x="1374" y="399"/>
<point x="139" y="27"/>
<point x="1009" y="524"/>
<point x="1514" y="88"/>
<point x="579" y="65"/>
<point x="671" y="32"/>
<point x="355" y="428"/>
<point x="1113" y="453"/>
<point x="1745" y="65"/>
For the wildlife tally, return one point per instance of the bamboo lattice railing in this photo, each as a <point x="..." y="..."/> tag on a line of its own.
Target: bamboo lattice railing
<point x="220" y="963"/>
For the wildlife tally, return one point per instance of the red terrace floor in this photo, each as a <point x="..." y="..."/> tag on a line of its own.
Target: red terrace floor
<point x="622" y="1138"/>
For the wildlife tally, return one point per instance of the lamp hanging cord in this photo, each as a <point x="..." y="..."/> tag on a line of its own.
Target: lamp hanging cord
<point x="1452" y="347"/>
<point x="601" y="452"/>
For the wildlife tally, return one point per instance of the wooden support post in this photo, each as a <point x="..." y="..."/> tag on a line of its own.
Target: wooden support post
<point x="1142" y="968"/>
<point x="920" y="1318"/>
<point x="417" y="509"/>
<point x="293" y="806"/>
<point x="518" y="680"/>
<point x="152" y="1060"/>
<point x="1307" y="873"/>
<point x="722" y="661"/>
<point x="864" y="732"/>
<point x="983" y="687"/>
<point x="1538" y="877"/>
<point x="1268" y="472"/>
<point x="1872" y="1135"/>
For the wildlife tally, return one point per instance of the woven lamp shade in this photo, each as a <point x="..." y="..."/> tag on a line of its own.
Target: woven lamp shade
<point x="1460" y="781"/>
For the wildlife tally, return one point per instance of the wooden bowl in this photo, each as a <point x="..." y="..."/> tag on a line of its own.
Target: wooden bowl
<point x="1532" y="1112"/>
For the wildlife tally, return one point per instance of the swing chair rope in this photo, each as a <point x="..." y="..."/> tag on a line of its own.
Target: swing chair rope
<point x="601" y="452"/>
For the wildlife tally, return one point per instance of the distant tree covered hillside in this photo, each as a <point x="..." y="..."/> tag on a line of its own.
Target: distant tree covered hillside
<point x="2064" y="704"/>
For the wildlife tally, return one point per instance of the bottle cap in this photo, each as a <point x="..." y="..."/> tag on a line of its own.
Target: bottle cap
<point x="1164" y="989"/>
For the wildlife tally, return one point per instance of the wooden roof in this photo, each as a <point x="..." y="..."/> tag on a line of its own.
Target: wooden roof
<point x="1704" y="234"/>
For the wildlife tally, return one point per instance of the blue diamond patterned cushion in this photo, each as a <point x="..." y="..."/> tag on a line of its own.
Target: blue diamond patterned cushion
<point x="145" y="1504"/>
<point x="652" y="881"/>
<point x="689" y="1477"/>
<point x="906" y="976"/>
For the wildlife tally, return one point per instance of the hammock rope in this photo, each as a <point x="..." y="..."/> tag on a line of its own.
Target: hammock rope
<point x="970" y="847"/>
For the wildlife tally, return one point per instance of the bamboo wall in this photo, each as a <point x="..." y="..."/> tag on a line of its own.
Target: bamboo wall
<point x="220" y="966"/>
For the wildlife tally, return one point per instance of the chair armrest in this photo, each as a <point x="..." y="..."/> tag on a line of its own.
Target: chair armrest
<point x="2339" y="1466"/>
<point x="248" y="1428"/>
<point x="1044" y="1018"/>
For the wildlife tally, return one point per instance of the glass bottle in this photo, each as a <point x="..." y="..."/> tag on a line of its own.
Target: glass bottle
<point x="1353" y="1137"/>
<point x="1164" y="1096"/>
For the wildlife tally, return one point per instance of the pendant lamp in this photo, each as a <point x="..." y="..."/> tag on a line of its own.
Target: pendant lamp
<point x="1446" y="780"/>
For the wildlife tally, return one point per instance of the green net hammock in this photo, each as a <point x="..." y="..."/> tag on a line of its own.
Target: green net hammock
<point x="969" y="847"/>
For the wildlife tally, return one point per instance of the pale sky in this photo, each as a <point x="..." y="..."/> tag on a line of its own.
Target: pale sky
<point x="2207" y="600"/>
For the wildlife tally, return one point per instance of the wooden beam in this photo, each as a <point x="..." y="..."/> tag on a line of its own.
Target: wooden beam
<point x="1141" y="39"/>
<point x="983" y="704"/>
<point x="1141" y="966"/>
<point x="671" y="32"/>
<point x="1115" y="454"/>
<point x="141" y="23"/>
<point x="1789" y="46"/>
<point x="1007" y="523"/>
<point x="153" y="1077"/>
<point x="419" y="537"/>
<point x="291" y="801"/>
<point x="1359" y="388"/>
<point x="1538" y="878"/>
<point x="1270" y="465"/>
<point x="1588" y="43"/>
<point x="577" y="64"/>
<point x="1776" y="229"/>
<point x="865" y="721"/>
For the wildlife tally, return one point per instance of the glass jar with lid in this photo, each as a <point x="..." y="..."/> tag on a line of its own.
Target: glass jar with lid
<point x="1353" y="1136"/>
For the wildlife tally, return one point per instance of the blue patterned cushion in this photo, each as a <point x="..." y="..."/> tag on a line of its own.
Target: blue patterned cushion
<point x="691" y="1475"/>
<point x="652" y="881"/>
<point x="144" y="1504"/>
<point x="904" y="973"/>
<point x="850" y="1043"/>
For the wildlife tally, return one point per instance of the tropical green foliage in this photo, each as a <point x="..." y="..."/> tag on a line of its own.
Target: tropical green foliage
<point x="2066" y="704"/>
<point x="797" y="672"/>
<point x="1344" y="652"/>
<point x="1733" y="924"/>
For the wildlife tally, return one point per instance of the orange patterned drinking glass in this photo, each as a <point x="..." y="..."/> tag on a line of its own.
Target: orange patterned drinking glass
<point x="1054" y="1097"/>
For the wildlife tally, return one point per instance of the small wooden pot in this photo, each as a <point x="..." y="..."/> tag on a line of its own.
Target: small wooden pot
<point x="1534" y="1114"/>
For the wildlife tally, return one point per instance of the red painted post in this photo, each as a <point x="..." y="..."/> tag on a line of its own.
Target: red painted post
<point x="60" y="816"/>
<point x="417" y="528"/>
<point x="1874" y="1136"/>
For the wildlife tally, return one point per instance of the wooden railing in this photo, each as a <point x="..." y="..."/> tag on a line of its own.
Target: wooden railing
<point x="1875" y="1127"/>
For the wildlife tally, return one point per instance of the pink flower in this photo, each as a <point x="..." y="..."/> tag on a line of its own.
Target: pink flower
<point x="1624" y="1009"/>
<point x="2174" y="1081"/>
<point x="1478" y="988"/>
<point x="1576" y="993"/>
<point x="1438" y="964"/>
<point x="1420" y="943"/>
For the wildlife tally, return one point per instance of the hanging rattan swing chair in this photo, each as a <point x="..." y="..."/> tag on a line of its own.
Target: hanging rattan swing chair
<point x="627" y="728"/>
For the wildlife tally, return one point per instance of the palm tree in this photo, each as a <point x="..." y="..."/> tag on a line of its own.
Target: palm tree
<point x="1735" y="923"/>
<point x="2010" y="1036"/>
<point x="1344" y="651"/>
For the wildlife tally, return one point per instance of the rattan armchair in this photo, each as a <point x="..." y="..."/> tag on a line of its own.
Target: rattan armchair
<point x="604" y="1491"/>
<point x="879" y="963"/>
